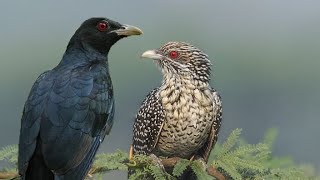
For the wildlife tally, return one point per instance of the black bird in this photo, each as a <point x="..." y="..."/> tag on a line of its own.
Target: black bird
<point x="182" y="117"/>
<point x="70" y="108"/>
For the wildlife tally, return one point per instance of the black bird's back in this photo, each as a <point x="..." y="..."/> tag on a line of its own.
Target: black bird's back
<point x="72" y="109"/>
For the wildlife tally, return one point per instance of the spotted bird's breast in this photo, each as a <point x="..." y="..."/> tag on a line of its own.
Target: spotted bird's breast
<point x="189" y="118"/>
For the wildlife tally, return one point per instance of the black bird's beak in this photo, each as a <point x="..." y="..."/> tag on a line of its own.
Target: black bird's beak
<point x="151" y="54"/>
<point x="128" y="30"/>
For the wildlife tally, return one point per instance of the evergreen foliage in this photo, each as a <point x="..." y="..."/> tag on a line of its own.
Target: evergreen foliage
<point x="180" y="167"/>
<point x="234" y="159"/>
<point x="145" y="167"/>
<point x="200" y="170"/>
<point x="8" y="155"/>
<point x="107" y="162"/>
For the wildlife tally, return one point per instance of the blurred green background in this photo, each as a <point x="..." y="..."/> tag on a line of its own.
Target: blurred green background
<point x="266" y="57"/>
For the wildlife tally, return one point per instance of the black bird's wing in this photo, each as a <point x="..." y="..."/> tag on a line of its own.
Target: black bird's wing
<point x="78" y="115"/>
<point x="30" y="121"/>
<point x="148" y="124"/>
<point x="75" y="117"/>
<point x="82" y="169"/>
<point x="204" y="152"/>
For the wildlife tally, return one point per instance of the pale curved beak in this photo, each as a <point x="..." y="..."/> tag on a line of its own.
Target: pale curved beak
<point x="129" y="31"/>
<point x="151" y="54"/>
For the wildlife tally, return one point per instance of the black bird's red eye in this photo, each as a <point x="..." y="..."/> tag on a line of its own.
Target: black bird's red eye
<point x="173" y="54"/>
<point x="102" y="26"/>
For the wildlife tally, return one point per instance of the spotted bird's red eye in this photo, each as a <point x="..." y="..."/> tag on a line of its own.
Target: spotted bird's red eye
<point x="102" y="26"/>
<point x="173" y="54"/>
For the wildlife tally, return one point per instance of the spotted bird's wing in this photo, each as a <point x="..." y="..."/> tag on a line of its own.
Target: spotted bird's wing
<point x="204" y="152"/>
<point x="148" y="124"/>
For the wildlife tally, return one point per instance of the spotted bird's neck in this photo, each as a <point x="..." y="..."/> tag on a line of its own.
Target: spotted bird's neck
<point x="175" y="87"/>
<point x="173" y="81"/>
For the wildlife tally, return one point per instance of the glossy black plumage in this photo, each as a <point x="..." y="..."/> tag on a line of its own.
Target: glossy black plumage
<point x="70" y="108"/>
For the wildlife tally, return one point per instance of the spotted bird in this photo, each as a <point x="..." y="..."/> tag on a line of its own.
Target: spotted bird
<point x="182" y="117"/>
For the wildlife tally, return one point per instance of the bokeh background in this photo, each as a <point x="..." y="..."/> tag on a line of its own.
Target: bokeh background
<point x="266" y="57"/>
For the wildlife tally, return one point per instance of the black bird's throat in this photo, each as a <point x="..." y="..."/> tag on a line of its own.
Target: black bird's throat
<point x="82" y="54"/>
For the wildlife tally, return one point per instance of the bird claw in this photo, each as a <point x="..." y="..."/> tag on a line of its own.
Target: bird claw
<point x="131" y="163"/>
<point x="131" y="152"/>
<point x="202" y="163"/>
<point x="157" y="161"/>
<point x="192" y="158"/>
<point x="91" y="172"/>
<point x="200" y="160"/>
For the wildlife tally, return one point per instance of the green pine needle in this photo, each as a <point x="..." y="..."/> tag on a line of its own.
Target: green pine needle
<point x="235" y="158"/>
<point x="180" y="167"/>
<point x="112" y="161"/>
<point x="270" y="137"/>
<point x="157" y="173"/>
<point x="9" y="154"/>
<point x="200" y="171"/>
<point x="230" y="142"/>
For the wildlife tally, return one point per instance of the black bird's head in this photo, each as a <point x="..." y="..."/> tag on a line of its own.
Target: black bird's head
<point x="101" y="33"/>
<point x="181" y="60"/>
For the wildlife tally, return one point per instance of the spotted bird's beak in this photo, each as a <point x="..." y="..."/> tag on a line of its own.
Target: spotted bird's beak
<point x="151" y="54"/>
<point x="128" y="30"/>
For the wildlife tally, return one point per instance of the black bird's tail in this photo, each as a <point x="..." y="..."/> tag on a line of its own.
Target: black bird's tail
<point x="188" y="174"/>
<point x="81" y="171"/>
<point x="37" y="169"/>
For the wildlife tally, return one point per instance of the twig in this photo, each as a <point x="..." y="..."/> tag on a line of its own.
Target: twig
<point x="215" y="173"/>
<point x="167" y="162"/>
<point x="8" y="175"/>
<point x="170" y="162"/>
<point x="211" y="170"/>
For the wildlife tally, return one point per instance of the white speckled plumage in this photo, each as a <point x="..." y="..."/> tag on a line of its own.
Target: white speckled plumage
<point x="182" y="117"/>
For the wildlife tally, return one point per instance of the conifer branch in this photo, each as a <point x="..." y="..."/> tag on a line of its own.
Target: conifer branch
<point x="211" y="170"/>
<point x="8" y="175"/>
<point x="234" y="159"/>
<point x="170" y="162"/>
